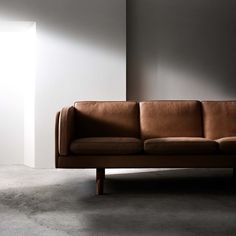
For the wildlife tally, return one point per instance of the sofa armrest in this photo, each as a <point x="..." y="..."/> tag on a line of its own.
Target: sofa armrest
<point x="56" y="138"/>
<point x="66" y="130"/>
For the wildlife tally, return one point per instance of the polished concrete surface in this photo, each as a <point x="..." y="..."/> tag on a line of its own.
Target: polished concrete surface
<point x="137" y="202"/>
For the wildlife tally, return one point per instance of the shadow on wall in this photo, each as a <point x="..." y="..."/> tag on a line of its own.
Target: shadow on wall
<point x="181" y="49"/>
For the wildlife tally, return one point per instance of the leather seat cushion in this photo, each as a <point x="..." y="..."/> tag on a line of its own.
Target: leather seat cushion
<point x="227" y="144"/>
<point x="180" y="145"/>
<point x="106" y="145"/>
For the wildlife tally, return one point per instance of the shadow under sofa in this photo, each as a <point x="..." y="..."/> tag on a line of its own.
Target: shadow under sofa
<point x="150" y="134"/>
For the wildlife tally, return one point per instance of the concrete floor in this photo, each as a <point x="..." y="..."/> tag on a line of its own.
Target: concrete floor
<point x="162" y="202"/>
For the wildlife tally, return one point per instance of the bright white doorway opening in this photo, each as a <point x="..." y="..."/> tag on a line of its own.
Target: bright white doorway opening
<point x="17" y="86"/>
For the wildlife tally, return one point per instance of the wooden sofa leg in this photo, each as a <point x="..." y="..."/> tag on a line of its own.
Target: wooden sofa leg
<point x="100" y="176"/>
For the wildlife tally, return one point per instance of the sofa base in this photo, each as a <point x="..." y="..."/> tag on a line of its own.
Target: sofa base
<point x="144" y="161"/>
<point x="147" y="161"/>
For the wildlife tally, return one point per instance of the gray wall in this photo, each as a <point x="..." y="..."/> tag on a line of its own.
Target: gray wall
<point x="181" y="49"/>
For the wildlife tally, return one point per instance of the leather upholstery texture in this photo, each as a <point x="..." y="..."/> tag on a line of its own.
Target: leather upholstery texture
<point x="178" y="134"/>
<point x="227" y="145"/>
<point x="180" y="145"/>
<point x="219" y="119"/>
<point x="106" y="145"/>
<point x="170" y="119"/>
<point x="66" y="129"/>
<point x="107" y="119"/>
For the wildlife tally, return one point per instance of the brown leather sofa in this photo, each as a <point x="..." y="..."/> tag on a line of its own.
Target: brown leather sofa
<point x="171" y="134"/>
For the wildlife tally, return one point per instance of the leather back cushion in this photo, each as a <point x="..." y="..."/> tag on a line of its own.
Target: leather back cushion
<point x="219" y="119"/>
<point x="107" y="119"/>
<point x="170" y="119"/>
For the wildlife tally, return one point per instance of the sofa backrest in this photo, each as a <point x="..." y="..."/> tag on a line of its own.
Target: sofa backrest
<point x="170" y="119"/>
<point x="107" y="119"/>
<point x="219" y="119"/>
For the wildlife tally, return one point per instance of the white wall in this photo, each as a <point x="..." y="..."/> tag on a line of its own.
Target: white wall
<point x="81" y="56"/>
